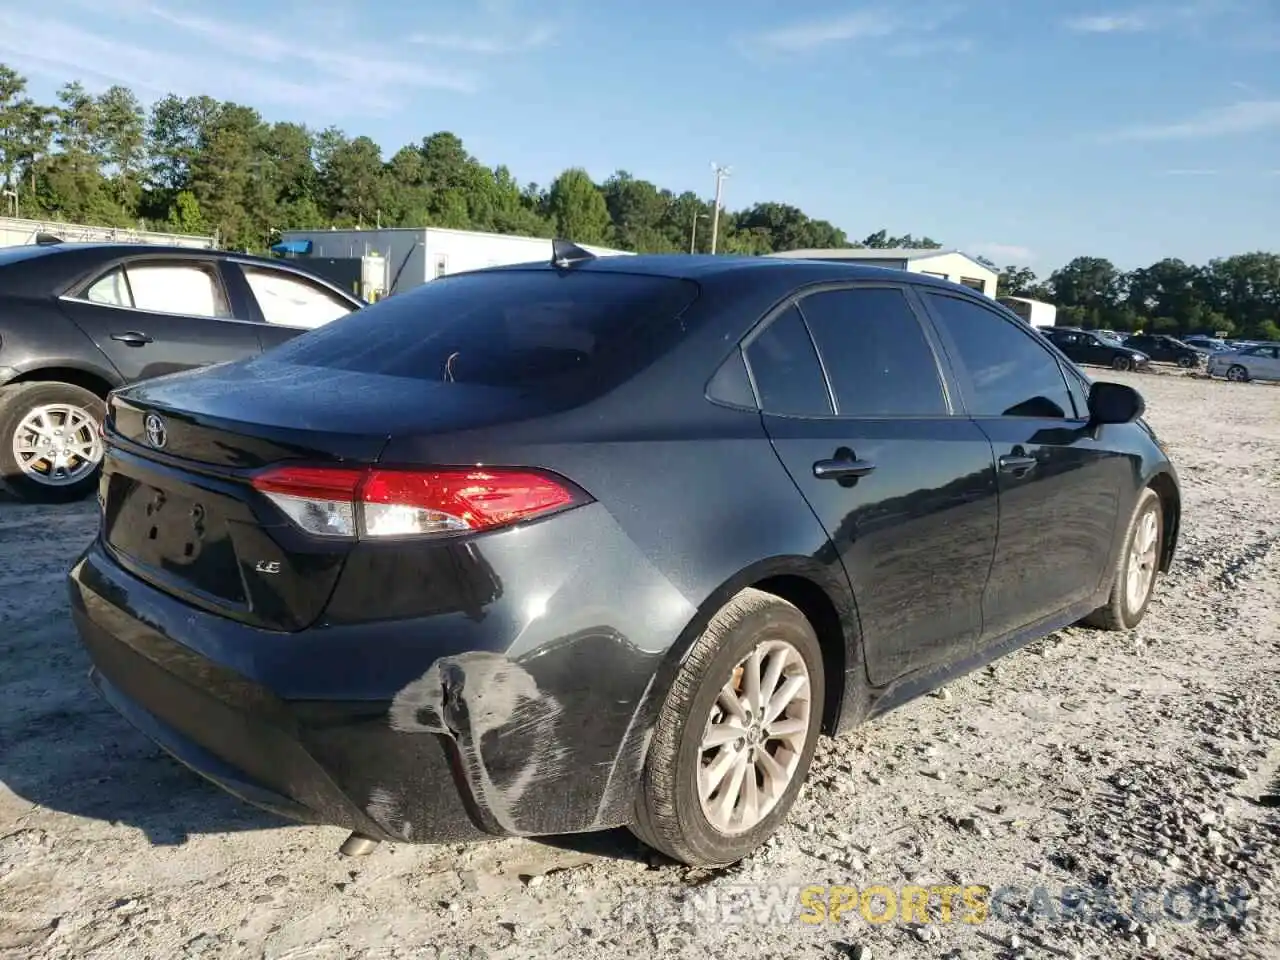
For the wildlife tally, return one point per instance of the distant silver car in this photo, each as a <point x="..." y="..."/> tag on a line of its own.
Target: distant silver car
<point x="1257" y="362"/>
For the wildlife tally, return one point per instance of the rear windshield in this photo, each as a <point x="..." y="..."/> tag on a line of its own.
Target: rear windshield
<point x="524" y="329"/>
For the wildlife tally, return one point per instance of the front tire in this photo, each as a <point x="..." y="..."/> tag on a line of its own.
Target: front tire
<point x="733" y="742"/>
<point x="1134" y="577"/>
<point x="1121" y="363"/>
<point x="50" y="441"/>
<point x="1237" y="374"/>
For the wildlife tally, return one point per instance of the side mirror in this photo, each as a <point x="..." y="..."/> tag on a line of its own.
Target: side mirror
<point x="1114" y="403"/>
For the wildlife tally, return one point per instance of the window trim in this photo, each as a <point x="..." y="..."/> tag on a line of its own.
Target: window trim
<point x="304" y="278"/>
<point x="758" y="330"/>
<point x="914" y="308"/>
<point x="960" y="369"/>
<point x="78" y="292"/>
<point x="910" y="290"/>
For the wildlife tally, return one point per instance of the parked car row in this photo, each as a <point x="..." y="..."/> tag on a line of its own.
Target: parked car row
<point x="1243" y="362"/>
<point x="77" y="320"/>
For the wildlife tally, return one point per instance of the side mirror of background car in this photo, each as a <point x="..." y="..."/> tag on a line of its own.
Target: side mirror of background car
<point x="1114" y="403"/>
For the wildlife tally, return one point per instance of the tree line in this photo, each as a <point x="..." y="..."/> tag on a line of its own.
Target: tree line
<point x="203" y="166"/>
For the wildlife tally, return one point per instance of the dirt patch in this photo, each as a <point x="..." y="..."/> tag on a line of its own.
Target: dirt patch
<point x="1143" y="765"/>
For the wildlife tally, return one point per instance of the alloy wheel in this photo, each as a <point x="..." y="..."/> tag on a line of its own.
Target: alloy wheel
<point x="1142" y="560"/>
<point x="754" y="737"/>
<point x="57" y="444"/>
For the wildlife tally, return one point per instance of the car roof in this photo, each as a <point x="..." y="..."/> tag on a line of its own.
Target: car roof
<point x="758" y="279"/>
<point x="108" y="249"/>
<point x="47" y="269"/>
<point x="706" y="267"/>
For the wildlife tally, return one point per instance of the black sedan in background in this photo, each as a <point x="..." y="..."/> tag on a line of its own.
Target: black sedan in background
<point x="1089" y="346"/>
<point x="1166" y="349"/>
<point x="554" y="548"/>
<point x="78" y="319"/>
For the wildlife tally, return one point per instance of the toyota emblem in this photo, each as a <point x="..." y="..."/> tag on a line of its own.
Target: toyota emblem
<point x="157" y="435"/>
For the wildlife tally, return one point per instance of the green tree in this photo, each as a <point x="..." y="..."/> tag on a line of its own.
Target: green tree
<point x="578" y="208"/>
<point x="1014" y="281"/>
<point x="880" y="240"/>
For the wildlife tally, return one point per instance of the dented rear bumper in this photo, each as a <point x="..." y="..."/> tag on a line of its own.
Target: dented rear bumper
<point x="474" y="744"/>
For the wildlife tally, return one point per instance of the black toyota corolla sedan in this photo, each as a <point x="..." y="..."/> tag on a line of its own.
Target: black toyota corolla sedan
<point x="599" y="542"/>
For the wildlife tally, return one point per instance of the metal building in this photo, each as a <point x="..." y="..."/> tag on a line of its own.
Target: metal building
<point x="414" y="255"/>
<point x="946" y="264"/>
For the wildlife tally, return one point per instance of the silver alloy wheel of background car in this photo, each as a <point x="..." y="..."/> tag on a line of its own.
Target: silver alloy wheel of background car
<point x="1237" y="373"/>
<point x="1143" y="559"/>
<point x="1121" y="363"/>
<point x="57" y="444"/>
<point x="754" y="737"/>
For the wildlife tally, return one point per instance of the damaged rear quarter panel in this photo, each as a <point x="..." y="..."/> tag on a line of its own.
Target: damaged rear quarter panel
<point x="538" y="692"/>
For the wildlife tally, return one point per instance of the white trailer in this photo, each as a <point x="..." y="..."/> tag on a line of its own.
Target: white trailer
<point x="416" y="255"/>
<point x="1037" y="313"/>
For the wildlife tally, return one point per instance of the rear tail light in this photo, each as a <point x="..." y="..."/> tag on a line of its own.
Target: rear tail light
<point x="382" y="503"/>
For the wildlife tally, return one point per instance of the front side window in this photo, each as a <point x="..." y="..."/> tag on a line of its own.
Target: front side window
<point x="875" y="353"/>
<point x="192" y="289"/>
<point x="787" y="375"/>
<point x="1012" y="375"/>
<point x="290" y="301"/>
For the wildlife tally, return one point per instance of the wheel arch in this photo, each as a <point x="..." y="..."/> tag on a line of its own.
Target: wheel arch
<point x="822" y="595"/>
<point x="1166" y="488"/>
<point x="95" y="381"/>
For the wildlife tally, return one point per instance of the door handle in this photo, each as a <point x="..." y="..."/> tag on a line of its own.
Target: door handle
<point x="133" y="338"/>
<point x="1016" y="465"/>
<point x="842" y="469"/>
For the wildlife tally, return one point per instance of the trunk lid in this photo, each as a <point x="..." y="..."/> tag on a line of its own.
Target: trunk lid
<point x="178" y="507"/>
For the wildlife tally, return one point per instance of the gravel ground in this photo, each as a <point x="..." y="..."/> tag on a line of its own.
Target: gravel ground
<point x="1104" y="762"/>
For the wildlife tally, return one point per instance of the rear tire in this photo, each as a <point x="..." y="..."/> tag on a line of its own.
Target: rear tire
<point x="32" y="413"/>
<point x="1134" y="578"/>
<point x="754" y="634"/>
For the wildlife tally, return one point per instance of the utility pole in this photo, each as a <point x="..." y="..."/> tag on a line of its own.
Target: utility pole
<point x="720" y="174"/>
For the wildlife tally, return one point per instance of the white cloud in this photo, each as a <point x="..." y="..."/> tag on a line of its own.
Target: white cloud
<point x="488" y="45"/>
<point x="346" y="62"/>
<point x="1243" y="117"/>
<point x="313" y="65"/>
<point x="923" y="48"/>
<point x="1002" y="252"/>
<point x="63" y="52"/>
<point x="799" y="37"/>
<point x="1110" y="23"/>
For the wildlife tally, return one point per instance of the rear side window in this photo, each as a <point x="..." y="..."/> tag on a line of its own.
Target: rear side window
<point x="875" y="353"/>
<point x="1012" y="374"/>
<point x="785" y="368"/>
<point x="291" y="301"/>
<point x="520" y="329"/>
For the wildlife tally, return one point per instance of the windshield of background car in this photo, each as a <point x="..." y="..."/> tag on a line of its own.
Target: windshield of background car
<point x="558" y="330"/>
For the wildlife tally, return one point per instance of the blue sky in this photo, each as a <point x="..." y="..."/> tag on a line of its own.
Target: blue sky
<point x="1027" y="130"/>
